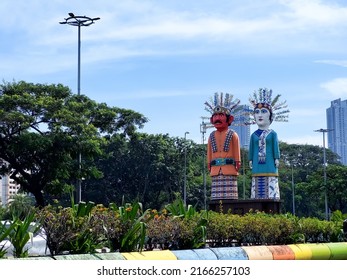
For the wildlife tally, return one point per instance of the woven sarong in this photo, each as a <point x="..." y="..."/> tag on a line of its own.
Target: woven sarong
<point x="224" y="187"/>
<point x="265" y="187"/>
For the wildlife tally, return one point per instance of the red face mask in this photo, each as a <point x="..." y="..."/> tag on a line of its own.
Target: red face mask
<point x="220" y="122"/>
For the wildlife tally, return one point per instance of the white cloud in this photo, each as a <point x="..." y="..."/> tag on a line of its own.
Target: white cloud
<point x="337" y="87"/>
<point x="313" y="12"/>
<point x="148" y="28"/>
<point x="342" y="63"/>
<point x="247" y="33"/>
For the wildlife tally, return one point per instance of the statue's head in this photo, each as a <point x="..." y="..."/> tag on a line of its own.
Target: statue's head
<point x="221" y="108"/>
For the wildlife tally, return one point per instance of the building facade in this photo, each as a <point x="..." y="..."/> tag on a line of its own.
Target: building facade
<point x="8" y="190"/>
<point x="337" y="125"/>
<point x="243" y="131"/>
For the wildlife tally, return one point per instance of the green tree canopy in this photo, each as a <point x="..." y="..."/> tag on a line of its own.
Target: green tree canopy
<point x="298" y="163"/>
<point x="336" y="182"/>
<point x="43" y="128"/>
<point x="147" y="168"/>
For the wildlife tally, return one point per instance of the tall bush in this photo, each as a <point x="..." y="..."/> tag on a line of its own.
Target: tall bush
<point x="188" y="226"/>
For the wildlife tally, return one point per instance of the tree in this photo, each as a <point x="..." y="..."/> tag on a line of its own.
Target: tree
<point x="147" y="168"/>
<point x="336" y="187"/>
<point x="298" y="163"/>
<point x="43" y="128"/>
<point x="336" y="183"/>
<point x="305" y="158"/>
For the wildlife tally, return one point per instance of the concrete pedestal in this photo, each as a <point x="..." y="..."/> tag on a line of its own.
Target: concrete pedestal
<point x="242" y="207"/>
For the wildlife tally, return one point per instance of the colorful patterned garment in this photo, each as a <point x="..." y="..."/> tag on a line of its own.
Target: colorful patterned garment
<point x="264" y="153"/>
<point x="263" y="150"/>
<point x="224" y="187"/>
<point x="265" y="188"/>
<point x="223" y="146"/>
<point x="227" y="141"/>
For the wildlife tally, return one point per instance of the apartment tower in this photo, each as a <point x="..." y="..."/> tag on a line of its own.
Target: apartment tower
<point x="337" y="125"/>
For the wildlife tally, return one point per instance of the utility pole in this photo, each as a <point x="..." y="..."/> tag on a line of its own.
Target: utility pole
<point x="293" y="190"/>
<point x="185" y="170"/>
<point x="79" y="21"/>
<point x="325" y="130"/>
<point x="203" y="131"/>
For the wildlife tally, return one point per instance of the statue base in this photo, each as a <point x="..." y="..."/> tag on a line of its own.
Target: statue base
<point x="241" y="207"/>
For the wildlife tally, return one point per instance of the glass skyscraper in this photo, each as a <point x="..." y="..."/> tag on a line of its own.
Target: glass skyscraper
<point x="337" y="124"/>
<point x="243" y="131"/>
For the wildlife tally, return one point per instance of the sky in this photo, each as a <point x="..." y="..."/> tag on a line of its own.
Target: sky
<point x="164" y="59"/>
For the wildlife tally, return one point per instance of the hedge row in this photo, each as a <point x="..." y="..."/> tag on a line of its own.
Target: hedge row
<point x="86" y="227"/>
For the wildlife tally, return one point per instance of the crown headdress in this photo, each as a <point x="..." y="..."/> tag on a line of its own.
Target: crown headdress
<point x="222" y="103"/>
<point x="263" y="98"/>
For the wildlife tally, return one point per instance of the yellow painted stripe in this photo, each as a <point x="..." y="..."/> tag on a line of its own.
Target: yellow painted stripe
<point x="301" y="251"/>
<point x="150" y="255"/>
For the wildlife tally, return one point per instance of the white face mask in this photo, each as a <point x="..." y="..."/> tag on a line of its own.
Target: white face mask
<point x="262" y="118"/>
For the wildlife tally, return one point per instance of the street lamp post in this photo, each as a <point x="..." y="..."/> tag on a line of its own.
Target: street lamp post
<point x="244" y="172"/>
<point x="293" y="190"/>
<point x="325" y="172"/>
<point x="203" y="131"/>
<point x="79" y="21"/>
<point x="185" y="170"/>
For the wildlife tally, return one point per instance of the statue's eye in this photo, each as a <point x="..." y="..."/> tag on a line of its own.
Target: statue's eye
<point x="264" y="111"/>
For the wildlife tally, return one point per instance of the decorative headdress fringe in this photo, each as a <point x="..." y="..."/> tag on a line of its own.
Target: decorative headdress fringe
<point x="264" y="96"/>
<point x="222" y="103"/>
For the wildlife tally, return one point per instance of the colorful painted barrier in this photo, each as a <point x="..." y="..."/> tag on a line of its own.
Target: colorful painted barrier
<point x="258" y="252"/>
<point x="150" y="255"/>
<point x="320" y="251"/>
<point x="338" y="251"/>
<point x="281" y="252"/>
<point x="307" y="251"/>
<point x="301" y="252"/>
<point x="316" y="251"/>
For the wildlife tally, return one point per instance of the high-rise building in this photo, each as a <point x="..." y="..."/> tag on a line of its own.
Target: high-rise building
<point x="337" y="125"/>
<point x="8" y="189"/>
<point x="243" y="131"/>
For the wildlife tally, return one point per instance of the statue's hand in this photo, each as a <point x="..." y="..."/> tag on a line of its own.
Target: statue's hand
<point x="277" y="162"/>
<point x="250" y="164"/>
<point x="237" y="165"/>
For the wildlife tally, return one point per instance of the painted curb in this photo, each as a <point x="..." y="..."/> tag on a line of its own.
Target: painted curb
<point x="307" y="251"/>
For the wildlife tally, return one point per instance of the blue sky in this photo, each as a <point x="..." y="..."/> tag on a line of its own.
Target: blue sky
<point x="164" y="59"/>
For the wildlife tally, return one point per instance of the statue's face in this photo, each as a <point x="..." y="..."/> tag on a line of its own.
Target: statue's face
<point x="219" y="120"/>
<point x="262" y="117"/>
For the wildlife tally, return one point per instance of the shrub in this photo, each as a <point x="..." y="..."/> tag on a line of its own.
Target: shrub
<point x="108" y="227"/>
<point x="58" y="227"/>
<point x="161" y="232"/>
<point x="85" y="227"/>
<point x="121" y="228"/>
<point x="288" y="229"/>
<point x="224" y="230"/>
<point x="177" y="227"/>
<point x="175" y="233"/>
<point x="258" y="229"/>
<point x="316" y="230"/>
